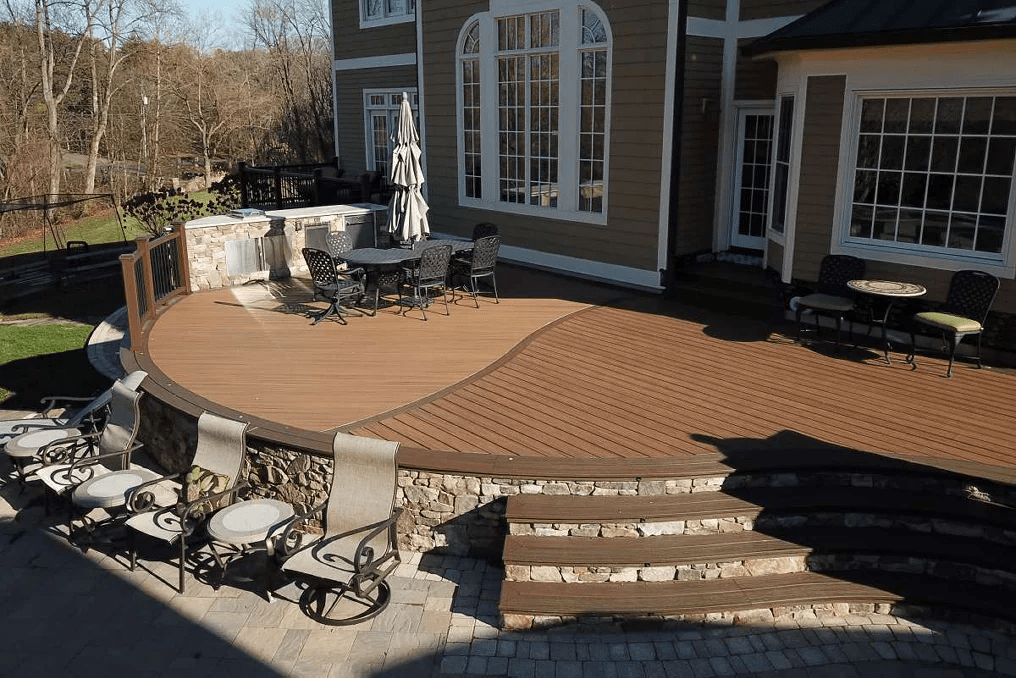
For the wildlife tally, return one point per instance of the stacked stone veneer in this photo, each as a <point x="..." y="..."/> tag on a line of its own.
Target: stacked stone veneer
<point x="284" y="233"/>
<point x="462" y="514"/>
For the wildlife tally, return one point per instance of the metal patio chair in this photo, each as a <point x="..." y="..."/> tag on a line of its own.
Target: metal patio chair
<point x="344" y="571"/>
<point x="338" y="243"/>
<point x="430" y="273"/>
<point x="23" y="438"/>
<point x="476" y="265"/>
<point x="173" y="507"/>
<point x="332" y="287"/>
<point x="484" y="229"/>
<point x="832" y="297"/>
<point x="970" y="296"/>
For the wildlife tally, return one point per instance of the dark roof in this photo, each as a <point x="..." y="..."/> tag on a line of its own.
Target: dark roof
<point x="857" y="23"/>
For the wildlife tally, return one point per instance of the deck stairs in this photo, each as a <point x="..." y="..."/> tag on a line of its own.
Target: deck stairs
<point x="761" y="546"/>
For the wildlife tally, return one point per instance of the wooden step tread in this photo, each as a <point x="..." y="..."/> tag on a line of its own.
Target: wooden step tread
<point x="735" y="546"/>
<point x="538" y="508"/>
<point x="746" y="593"/>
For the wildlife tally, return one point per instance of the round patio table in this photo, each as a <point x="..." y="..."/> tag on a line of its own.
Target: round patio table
<point x="888" y="292"/>
<point x="247" y="527"/>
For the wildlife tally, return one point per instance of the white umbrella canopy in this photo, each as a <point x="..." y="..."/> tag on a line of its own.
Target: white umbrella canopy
<point x="407" y="212"/>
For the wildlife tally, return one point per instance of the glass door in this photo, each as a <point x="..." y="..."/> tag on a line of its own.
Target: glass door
<point x="751" y="183"/>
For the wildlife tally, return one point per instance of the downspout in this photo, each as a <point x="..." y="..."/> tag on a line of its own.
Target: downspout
<point x="668" y="274"/>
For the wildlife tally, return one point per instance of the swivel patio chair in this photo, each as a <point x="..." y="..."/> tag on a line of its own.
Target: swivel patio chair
<point x="430" y="273"/>
<point x="344" y="571"/>
<point x="478" y="264"/>
<point x="173" y="507"/>
<point x="832" y="298"/>
<point x="332" y="287"/>
<point x="966" y="307"/>
<point x="83" y="460"/>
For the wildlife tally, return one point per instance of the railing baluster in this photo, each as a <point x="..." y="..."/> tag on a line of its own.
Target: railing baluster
<point x="155" y="273"/>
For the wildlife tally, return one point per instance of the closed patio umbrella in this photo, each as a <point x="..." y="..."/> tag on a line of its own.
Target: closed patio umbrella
<point x="407" y="215"/>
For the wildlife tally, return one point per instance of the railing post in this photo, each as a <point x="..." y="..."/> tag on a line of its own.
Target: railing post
<point x="278" y="187"/>
<point x="179" y="227"/>
<point x="143" y="243"/>
<point x="130" y="293"/>
<point x="241" y="168"/>
<point x="319" y="187"/>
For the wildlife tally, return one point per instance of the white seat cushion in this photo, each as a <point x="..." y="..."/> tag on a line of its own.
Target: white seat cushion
<point x="109" y="490"/>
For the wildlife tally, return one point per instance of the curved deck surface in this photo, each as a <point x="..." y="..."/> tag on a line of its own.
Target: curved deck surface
<point x="566" y="370"/>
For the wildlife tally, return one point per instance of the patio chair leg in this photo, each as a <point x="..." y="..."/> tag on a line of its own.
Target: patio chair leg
<point x="183" y="561"/>
<point x="493" y="281"/>
<point x="952" y="354"/>
<point x="911" y="356"/>
<point x="839" y="330"/>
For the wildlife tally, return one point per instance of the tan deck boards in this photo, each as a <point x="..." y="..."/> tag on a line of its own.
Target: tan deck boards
<point x="646" y="379"/>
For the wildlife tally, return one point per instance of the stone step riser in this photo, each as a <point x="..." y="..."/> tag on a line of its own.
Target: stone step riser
<point x="778" y="524"/>
<point x="828" y="563"/>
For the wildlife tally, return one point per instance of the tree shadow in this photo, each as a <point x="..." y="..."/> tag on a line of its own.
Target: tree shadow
<point x="67" y="373"/>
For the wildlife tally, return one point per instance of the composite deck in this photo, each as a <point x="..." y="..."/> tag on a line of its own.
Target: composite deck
<point x="563" y="370"/>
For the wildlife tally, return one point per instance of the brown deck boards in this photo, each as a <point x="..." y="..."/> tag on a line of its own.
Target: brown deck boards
<point x="555" y="372"/>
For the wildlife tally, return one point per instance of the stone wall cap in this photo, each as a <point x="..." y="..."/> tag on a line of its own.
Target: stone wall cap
<point x="326" y="210"/>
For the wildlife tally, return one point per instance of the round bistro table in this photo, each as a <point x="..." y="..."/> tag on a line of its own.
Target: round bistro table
<point x="247" y="527"/>
<point x="887" y="292"/>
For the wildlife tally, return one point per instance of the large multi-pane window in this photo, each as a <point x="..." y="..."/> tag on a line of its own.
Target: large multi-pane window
<point x="541" y="82"/>
<point x="381" y="109"/>
<point x="935" y="172"/>
<point x="781" y="164"/>
<point x="387" y="11"/>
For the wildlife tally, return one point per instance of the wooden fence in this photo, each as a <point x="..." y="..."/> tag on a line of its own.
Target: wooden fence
<point x="153" y="275"/>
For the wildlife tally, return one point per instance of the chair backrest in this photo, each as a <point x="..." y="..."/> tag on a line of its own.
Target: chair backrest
<point x="338" y="243"/>
<point x="971" y="294"/>
<point x="485" y="254"/>
<point x="483" y="229"/>
<point x="434" y="262"/>
<point x="321" y="265"/>
<point x="122" y="424"/>
<point x="364" y="479"/>
<point x="222" y="445"/>
<point x="836" y="270"/>
<point x="131" y="381"/>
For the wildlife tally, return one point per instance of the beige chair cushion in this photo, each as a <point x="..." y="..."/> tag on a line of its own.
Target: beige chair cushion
<point x="826" y="302"/>
<point x="948" y="322"/>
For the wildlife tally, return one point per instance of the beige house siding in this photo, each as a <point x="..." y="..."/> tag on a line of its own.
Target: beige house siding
<point x="766" y="9"/>
<point x="699" y="134"/>
<point x="349" y="86"/>
<point x="639" y="67"/>
<point x="352" y="42"/>
<point x="707" y="9"/>
<point x="820" y="151"/>
<point x="774" y="256"/>
<point x="754" y="79"/>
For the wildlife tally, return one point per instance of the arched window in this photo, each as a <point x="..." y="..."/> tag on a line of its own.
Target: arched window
<point x="534" y="102"/>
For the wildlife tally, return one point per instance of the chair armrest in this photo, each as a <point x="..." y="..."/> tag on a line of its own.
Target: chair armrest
<point x="92" y="460"/>
<point x="63" y="450"/>
<point x="358" y="273"/>
<point x="363" y="558"/>
<point x="50" y="402"/>
<point x="291" y="540"/>
<point x="140" y="499"/>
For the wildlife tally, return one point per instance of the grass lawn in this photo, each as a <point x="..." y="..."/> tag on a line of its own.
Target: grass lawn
<point x="95" y="230"/>
<point x="45" y="359"/>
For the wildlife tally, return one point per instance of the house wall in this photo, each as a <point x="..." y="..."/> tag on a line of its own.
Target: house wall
<point x="826" y="165"/>
<point x="352" y="42"/>
<point x="699" y="129"/>
<point x="764" y="9"/>
<point x="708" y="9"/>
<point x="774" y="257"/>
<point x="630" y="236"/>
<point x="820" y="152"/>
<point x="754" y="80"/>
<point x="350" y="123"/>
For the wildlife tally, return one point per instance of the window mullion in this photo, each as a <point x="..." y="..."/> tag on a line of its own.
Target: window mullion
<point x="568" y="112"/>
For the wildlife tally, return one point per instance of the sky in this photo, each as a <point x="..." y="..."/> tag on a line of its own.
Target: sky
<point x="222" y="9"/>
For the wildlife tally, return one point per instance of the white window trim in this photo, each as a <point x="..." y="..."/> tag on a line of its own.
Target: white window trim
<point x="388" y="20"/>
<point x="368" y="136"/>
<point x="568" y="161"/>
<point x="1003" y="265"/>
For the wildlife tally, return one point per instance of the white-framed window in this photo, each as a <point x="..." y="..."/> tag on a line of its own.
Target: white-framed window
<point x="781" y="164"/>
<point x="533" y="110"/>
<point x="381" y="12"/>
<point x="934" y="175"/>
<point x="381" y="116"/>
